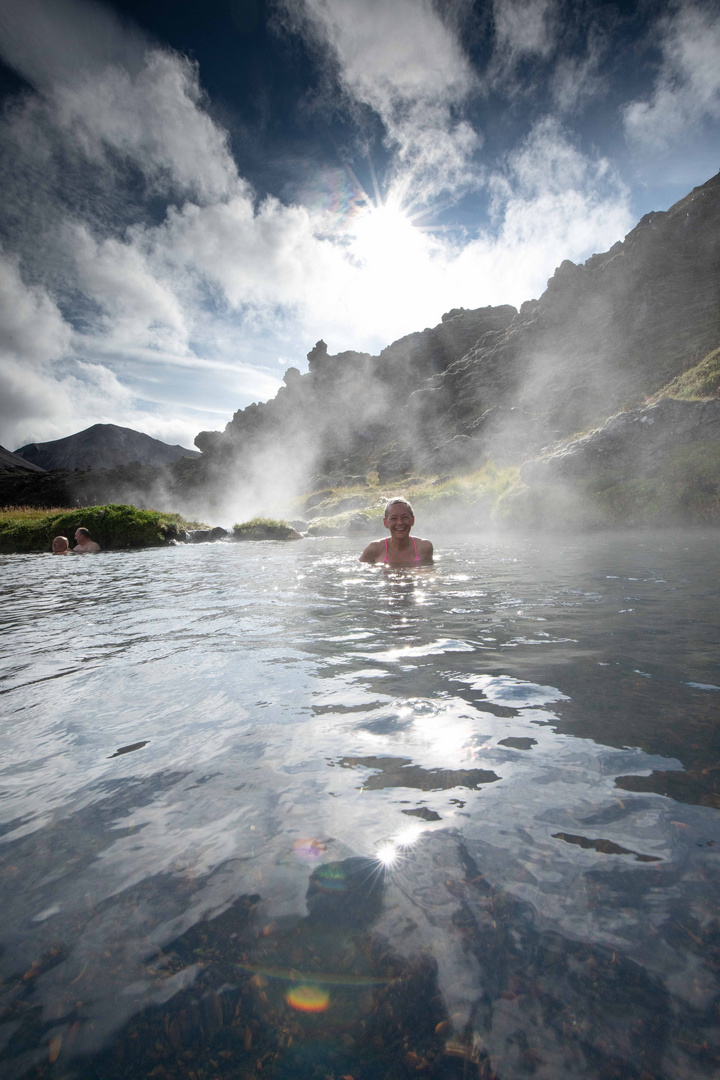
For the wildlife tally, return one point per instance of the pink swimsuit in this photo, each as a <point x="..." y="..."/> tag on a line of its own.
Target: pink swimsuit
<point x="416" y="559"/>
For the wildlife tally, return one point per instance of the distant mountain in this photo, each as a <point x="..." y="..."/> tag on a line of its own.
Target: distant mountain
<point x="12" y="462"/>
<point x="102" y="446"/>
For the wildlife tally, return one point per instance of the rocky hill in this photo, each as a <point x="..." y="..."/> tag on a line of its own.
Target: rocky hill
<point x="102" y="446"/>
<point x="502" y="382"/>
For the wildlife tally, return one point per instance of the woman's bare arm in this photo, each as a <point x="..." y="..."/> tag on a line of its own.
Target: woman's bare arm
<point x="372" y="552"/>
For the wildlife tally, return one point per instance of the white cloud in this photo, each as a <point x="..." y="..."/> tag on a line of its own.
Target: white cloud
<point x="154" y="117"/>
<point x="137" y="306"/>
<point x="576" y="80"/>
<point x="31" y="327"/>
<point x="47" y="401"/>
<point x="402" y="61"/>
<point x="106" y="88"/>
<point x="551" y="202"/>
<point x="54" y="41"/>
<point x="687" y="89"/>
<point x="390" y="53"/>
<point x="524" y="28"/>
<point x="387" y="277"/>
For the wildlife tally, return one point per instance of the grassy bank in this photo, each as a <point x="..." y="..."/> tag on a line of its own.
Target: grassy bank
<point x="25" y="529"/>
<point x="684" y="490"/>
<point x="461" y="502"/>
<point x="699" y="382"/>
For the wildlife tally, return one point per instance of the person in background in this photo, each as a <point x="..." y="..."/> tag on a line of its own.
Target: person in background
<point x="83" y="544"/>
<point x="401" y="549"/>
<point x="60" y="546"/>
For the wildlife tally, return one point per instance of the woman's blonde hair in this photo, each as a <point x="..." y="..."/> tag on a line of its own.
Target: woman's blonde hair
<point x="403" y="502"/>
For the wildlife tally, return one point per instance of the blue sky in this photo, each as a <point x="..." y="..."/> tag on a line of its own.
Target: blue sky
<point x="195" y="191"/>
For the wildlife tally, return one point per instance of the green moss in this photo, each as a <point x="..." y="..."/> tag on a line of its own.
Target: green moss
<point x="698" y="382"/>
<point x="684" y="490"/>
<point x="435" y="500"/>
<point x="483" y="486"/>
<point x="264" y="529"/>
<point x="24" y="529"/>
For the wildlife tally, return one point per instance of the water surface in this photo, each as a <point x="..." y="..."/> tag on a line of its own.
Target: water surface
<point x="267" y="812"/>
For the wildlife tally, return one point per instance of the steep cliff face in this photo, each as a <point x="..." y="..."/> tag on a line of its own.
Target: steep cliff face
<point x="349" y="410"/>
<point x="494" y="381"/>
<point x="603" y="334"/>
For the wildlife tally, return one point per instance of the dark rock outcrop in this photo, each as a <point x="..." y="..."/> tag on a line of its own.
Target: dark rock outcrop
<point x="265" y="530"/>
<point x="348" y="414"/>
<point x="103" y="446"/>
<point x="658" y="465"/>
<point x="605" y="333"/>
<point x="43" y="490"/>
<point x="206" y="536"/>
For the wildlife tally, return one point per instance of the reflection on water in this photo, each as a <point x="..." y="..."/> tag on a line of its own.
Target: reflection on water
<point x="265" y="813"/>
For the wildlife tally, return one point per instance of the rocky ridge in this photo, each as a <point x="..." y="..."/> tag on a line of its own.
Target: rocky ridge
<point x="500" y="382"/>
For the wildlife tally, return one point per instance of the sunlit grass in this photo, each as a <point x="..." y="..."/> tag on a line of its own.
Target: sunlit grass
<point x="700" y="382"/>
<point x="31" y="513"/>
<point x="435" y="498"/>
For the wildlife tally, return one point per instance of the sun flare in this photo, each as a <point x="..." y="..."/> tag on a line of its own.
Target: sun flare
<point x="384" y="235"/>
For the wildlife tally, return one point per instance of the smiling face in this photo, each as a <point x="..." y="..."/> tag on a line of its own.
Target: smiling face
<point x="399" y="520"/>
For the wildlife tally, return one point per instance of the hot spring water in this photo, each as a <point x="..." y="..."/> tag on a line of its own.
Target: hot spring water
<point x="266" y="812"/>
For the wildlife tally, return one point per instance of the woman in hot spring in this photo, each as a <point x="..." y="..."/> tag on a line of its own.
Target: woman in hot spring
<point x="401" y="549"/>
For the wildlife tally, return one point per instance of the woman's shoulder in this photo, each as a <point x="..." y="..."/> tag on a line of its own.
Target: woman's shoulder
<point x="373" y="551"/>
<point x="424" y="549"/>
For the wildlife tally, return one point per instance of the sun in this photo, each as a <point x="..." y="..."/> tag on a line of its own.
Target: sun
<point x="384" y="235"/>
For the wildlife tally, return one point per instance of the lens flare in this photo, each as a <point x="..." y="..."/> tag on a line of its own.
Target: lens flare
<point x="309" y="850"/>
<point x="331" y="878"/>
<point x="309" y="999"/>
